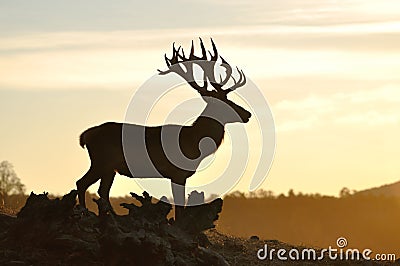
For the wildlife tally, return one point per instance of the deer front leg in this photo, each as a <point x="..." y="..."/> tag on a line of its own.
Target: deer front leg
<point x="178" y="192"/>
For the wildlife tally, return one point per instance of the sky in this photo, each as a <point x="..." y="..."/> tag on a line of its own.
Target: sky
<point x="329" y="71"/>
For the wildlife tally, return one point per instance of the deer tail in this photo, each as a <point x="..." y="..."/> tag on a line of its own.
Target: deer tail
<point x="83" y="138"/>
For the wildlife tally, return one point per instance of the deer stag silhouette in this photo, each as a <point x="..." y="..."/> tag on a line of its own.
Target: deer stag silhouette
<point x="167" y="151"/>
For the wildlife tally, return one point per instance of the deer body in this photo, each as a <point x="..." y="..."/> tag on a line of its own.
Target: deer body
<point x="108" y="137"/>
<point x="167" y="151"/>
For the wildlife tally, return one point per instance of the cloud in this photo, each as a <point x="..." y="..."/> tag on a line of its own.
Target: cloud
<point x="375" y="107"/>
<point x="259" y="34"/>
<point x="389" y="94"/>
<point x="122" y="59"/>
<point x="303" y="12"/>
<point x="298" y="124"/>
<point x="312" y="102"/>
<point x="370" y="118"/>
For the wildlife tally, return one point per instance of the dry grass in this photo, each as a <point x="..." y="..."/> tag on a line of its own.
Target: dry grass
<point x="8" y="211"/>
<point x="241" y="251"/>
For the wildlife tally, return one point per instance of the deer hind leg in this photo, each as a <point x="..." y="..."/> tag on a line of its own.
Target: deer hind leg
<point x="105" y="184"/>
<point x="84" y="183"/>
<point x="107" y="179"/>
<point x="178" y="192"/>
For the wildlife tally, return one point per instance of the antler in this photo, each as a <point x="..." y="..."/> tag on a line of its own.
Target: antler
<point x="174" y="66"/>
<point x="239" y="83"/>
<point x="178" y="59"/>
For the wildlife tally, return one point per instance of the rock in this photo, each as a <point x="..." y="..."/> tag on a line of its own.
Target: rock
<point x="57" y="232"/>
<point x="254" y="238"/>
<point x="199" y="218"/>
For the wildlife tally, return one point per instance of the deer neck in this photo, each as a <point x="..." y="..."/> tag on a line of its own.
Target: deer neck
<point x="204" y="126"/>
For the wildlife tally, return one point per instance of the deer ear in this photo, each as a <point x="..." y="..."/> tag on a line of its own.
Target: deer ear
<point x="207" y="94"/>
<point x="206" y="98"/>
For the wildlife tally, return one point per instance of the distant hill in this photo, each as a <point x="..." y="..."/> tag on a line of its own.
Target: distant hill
<point x="385" y="190"/>
<point x="367" y="219"/>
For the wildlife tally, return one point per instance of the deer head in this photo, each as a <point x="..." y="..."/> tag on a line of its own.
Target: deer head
<point x="218" y="106"/>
